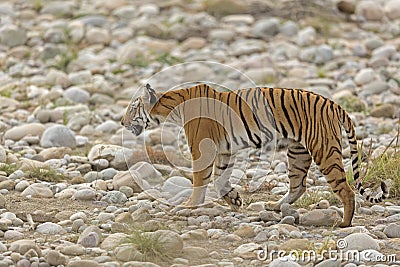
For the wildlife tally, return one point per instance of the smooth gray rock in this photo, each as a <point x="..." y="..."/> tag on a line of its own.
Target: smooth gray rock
<point x="288" y="210"/>
<point x="132" y="179"/>
<point x="360" y="242"/>
<point x="374" y="88"/>
<point x="115" y="197"/>
<point x="58" y="8"/>
<point x="329" y="263"/>
<point x="3" y="155"/>
<point x="23" y="246"/>
<point x="128" y="252"/>
<point x="55" y="258"/>
<point x="55" y="35"/>
<point x="80" y="77"/>
<point x="85" y="194"/>
<point x="76" y="95"/>
<point x="373" y="43"/>
<point x="289" y="28"/>
<point x="247" y="249"/>
<point x="23" y="263"/>
<point x="37" y="190"/>
<point x="392" y="9"/>
<point x="392" y="230"/>
<point x="288" y="220"/>
<point x="268" y="216"/>
<point x="108" y="126"/>
<point x="89" y="240"/>
<point x="92" y="176"/>
<point x="383" y="111"/>
<point x="73" y="250"/>
<point x="176" y="184"/>
<point x="369" y="10"/>
<point x="364" y="76"/>
<point x="265" y="28"/>
<point x="323" y="54"/>
<point x="49" y="228"/>
<point x="327" y="217"/>
<point x="393" y="209"/>
<point x="11" y="35"/>
<point x="306" y="36"/>
<point x="18" y="132"/>
<point x="284" y="262"/>
<point x="384" y="51"/>
<point x="280" y="168"/>
<point x="85" y="263"/>
<point x="108" y="173"/>
<point x="170" y="240"/>
<point x="58" y="136"/>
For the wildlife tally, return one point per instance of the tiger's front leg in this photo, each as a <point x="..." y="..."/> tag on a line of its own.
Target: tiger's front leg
<point x="223" y="168"/>
<point x="200" y="182"/>
<point x="203" y="154"/>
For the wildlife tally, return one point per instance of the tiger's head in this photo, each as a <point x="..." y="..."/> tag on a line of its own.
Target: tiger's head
<point x="137" y="117"/>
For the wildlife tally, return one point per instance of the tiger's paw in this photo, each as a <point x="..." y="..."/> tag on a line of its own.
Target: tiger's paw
<point x="233" y="199"/>
<point x="343" y="224"/>
<point x="272" y="205"/>
<point x="191" y="204"/>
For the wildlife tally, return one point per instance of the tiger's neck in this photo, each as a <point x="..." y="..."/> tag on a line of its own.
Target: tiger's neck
<point x="169" y="107"/>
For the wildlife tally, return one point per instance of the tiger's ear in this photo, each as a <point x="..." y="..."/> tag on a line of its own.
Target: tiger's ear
<point x="150" y="95"/>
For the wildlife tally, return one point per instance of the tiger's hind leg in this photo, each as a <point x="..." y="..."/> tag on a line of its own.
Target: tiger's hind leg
<point x="223" y="168"/>
<point x="336" y="177"/>
<point x="299" y="161"/>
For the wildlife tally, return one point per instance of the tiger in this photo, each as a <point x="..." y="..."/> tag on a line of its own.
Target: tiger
<point x="218" y="124"/>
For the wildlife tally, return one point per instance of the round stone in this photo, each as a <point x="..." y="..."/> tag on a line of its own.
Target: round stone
<point x="49" y="228"/>
<point x="115" y="197"/>
<point x="76" y="94"/>
<point x="85" y="194"/>
<point x="176" y="184"/>
<point x="58" y="136"/>
<point x="360" y="242"/>
<point x="11" y="35"/>
<point x="370" y="10"/>
<point x="18" y="132"/>
<point x="37" y="190"/>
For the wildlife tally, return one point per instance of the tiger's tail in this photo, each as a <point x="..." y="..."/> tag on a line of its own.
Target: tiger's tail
<point x="384" y="190"/>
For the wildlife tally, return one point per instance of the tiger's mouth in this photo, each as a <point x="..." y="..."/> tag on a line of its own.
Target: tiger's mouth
<point x="135" y="129"/>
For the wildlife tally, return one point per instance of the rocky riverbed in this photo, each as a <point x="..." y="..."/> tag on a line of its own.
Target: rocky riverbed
<point x="78" y="190"/>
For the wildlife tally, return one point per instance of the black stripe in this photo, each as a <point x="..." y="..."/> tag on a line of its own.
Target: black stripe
<point x="271" y="95"/>
<point x="295" y="110"/>
<point x="167" y="97"/>
<point x="224" y="167"/>
<point x="208" y="176"/>
<point x="283" y="130"/>
<point x="285" y="112"/>
<point x="246" y="126"/>
<point x="330" y="168"/>
<point x="298" y="152"/>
